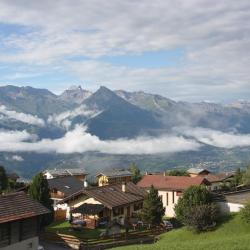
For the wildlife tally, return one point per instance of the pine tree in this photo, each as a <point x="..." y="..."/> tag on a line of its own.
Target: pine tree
<point x="153" y="210"/>
<point x="136" y="174"/>
<point x="39" y="190"/>
<point x="3" y="179"/>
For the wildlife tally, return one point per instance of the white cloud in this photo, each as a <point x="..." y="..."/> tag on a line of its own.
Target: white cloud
<point x="63" y="119"/>
<point x="217" y="138"/>
<point x="79" y="141"/>
<point x="214" y="36"/>
<point x="17" y="158"/>
<point x="26" y="118"/>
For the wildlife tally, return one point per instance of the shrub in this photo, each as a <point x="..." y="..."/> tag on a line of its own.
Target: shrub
<point x="195" y="209"/>
<point x="245" y="213"/>
<point x="193" y="196"/>
<point x="202" y="217"/>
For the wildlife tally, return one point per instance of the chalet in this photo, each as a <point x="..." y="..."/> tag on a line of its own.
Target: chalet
<point x="116" y="176"/>
<point x="170" y="188"/>
<point x="63" y="187"/>
<point x="109" y="203"/>
<point x="78" y="173"/>
<point x="19" y="221"/>
<point x="13" y="176"/>
<point x="217" y="180"/>
<point x="194" y="172"/>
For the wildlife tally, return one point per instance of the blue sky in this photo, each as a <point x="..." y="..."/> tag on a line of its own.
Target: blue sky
<point x="198" y="51"/>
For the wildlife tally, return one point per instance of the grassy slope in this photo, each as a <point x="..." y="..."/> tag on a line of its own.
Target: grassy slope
<point x="230" y="235"/>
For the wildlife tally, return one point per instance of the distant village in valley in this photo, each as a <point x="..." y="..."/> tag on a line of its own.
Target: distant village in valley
<point x="63" y="207"/>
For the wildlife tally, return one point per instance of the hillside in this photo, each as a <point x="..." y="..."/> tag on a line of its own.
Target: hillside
<point x="233" y="234"/>
<point x="118" y="118"/>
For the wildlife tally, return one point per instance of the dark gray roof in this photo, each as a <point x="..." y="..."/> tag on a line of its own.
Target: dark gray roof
<point x="239" y="197"/>
<point x="67" y="172"/>
<point x="197" y="170"/>
<point x="115" y="173"/>
<point x="90" y="209"/>
<point x="112" y="195"/>
<point x="67" y="185"/>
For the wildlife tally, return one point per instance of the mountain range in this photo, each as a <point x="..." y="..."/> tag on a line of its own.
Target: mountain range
<point x="113" y="115"/>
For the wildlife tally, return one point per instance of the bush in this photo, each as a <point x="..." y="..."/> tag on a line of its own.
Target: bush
<point x="193" y="196"/>
<point x="202" y="217"/>
<point x="195" y="209"/>
<point x="245" y="213"/>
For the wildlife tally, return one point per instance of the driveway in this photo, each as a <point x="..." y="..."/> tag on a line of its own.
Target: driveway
<point x="50" y="246"/>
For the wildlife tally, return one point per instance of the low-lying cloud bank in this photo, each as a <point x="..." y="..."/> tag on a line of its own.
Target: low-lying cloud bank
<point x="217" y="138"/>
<point x="79" y="141"/>
<point x="26" y="118"/>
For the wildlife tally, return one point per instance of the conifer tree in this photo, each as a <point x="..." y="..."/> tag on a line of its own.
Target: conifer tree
<point x="136" y="173"/>
<point x="3" y="179"/>
<point x="39" y="190"/>
<point x="153" y="210"/>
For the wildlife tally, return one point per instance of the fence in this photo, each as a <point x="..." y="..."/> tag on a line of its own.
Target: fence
<point x="60" y="215"/>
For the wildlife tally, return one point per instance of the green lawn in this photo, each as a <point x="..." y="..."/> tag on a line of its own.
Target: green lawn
<point x="64" y="228"/>
<point x="232" y="234"/>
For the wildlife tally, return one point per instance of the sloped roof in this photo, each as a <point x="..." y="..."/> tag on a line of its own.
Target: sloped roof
<point x="171" y="182"/>
<point x="67" y="185"/>
<point x="197" y="170"/>
<point x="66" y="172"/>
<point x="115" y="173"/>
<point x="17" y="206"/>
<point x="218" y="177"/>
<point x="112" y="195"/>
<point x="90" y="209"/>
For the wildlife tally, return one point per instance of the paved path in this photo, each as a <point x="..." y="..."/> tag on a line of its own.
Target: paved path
<point x="50" y="246"/>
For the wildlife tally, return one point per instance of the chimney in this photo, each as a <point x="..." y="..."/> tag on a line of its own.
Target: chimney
<point x="124" y="187"/>
<point x="85" y="183"/>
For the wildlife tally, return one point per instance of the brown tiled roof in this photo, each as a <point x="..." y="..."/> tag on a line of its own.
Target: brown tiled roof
<point x="112" y="195"/>
<point x="171" y="182"/>
<point x="17" y="206"/>
<point x="218" y="177"/>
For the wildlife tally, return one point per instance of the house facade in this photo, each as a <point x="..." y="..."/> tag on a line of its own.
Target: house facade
<point x="170" y="188"/>
<point x="216" y="179"/>
<point x="111" y="177"/>
<point x="61" y="188"/>
<point x="19" y="222"/>
<point x="110" y="202"/>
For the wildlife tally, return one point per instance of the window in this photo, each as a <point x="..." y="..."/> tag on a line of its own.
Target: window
<point x="173" y="196"/>
<point x="29" y="228"/>
<point x="118" y="211"/>
<point x="167" y="198"/>
<point x="4" y="235"/>
<point x="138" y="206"/>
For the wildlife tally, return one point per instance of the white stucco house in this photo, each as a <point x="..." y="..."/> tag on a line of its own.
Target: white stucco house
<point x="170" y="188"/>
